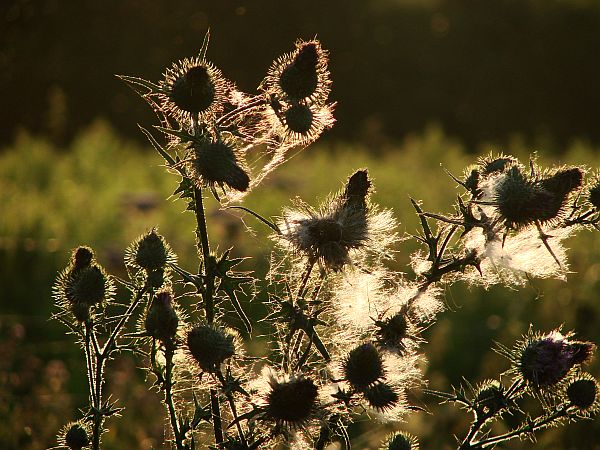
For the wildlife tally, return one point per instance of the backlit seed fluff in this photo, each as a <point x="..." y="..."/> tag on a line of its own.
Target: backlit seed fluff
<point x="291" y="402"/>
<point x="150" y="251"/>
<point x="192" y="88"/>
<point x="400" y="441"/>
<point x="216" y="163"/>
<point x="210" y="346"/>
<point x="363" y="366"/>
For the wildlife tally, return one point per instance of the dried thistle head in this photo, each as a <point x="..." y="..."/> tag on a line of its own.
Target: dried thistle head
<point x="192" y="88"/>
<point x="75" y="435"/>
<point x="292" y="402"/>
<point x="363" y="366"/>
<point x="345" y="223"/>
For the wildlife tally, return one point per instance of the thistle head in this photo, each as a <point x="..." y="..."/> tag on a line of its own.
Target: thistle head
<point x="594" y="194"/>
<point x="542" y="361"/>
<point x="381" y="396"/>
<point x="363" y="366"/>
<point x="150" y="251"/>
<point x="292" y="402"/>
<point x="216" y="163"/>
<point x="490" y="399"/>
<point x="582" y="393"/>
<point x="210" y="345"/>
<point x="161" y="319"/>
<point x="75" y="436"/>
<point x="400" y="441"/>
<point x="192" y="88"/>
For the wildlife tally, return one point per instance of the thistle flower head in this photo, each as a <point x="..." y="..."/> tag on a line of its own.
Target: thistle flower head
<point x="521" y="201"/>
<point x="594" y="194"/>
<point x="192" y="88"/>
<point x="542" y="361"/>
<point x="300" y="75"/>
<point x="343" y="224"/>
<point x="161" y="319"/>
<point x="363" y="366"/>
<point x="400" y="441"/>
<point x="292" y="402"/>
<point x="490" y="399"/>
<point x="75" y="435"/>
<point x="150" y="251"/>
<point x="381" y="396"/>
<point x="210" y="345"/>
<point x="582" y="393"/>
<point x="217" y="163"/>
<point x="82" y="257"/>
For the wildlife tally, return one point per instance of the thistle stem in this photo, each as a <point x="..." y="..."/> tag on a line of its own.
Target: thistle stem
<point x="204" y="250"/>
<point x="216" y="417"/>
<point x="169" y="351"/>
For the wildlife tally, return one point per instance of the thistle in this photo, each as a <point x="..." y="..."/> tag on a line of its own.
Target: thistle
<point x="582" y="393"/>
<point x="291" y="403"/>
<point x="150" y="252"/>
<point x="400" y="441"/>
<point x="363" y="366"/>
<point x="161" y="320"/>
<point x="210" y="346"/>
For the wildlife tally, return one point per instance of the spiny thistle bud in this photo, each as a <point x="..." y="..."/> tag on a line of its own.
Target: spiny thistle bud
<point x="216" y="163"/>
<point x="156" y="278"/>
<point x="363" y="366"/>
<point x="400" y="441"/>
<point x="192" y="88"/>
<point x="491" y="165"/>
<point x="300" y="75"/>
<point x="162" y="321"/>
<point x="357" y="189"/>
<point x="210" y="346"/>
<point x="381" y="396"/>
<point x="490" y="399"/>
<point x="594" y="195"/>
<point x="75" y="436"/>
<point x="582" y="392"/>
<point x="563" y="182"/>
<point x="299" y="118"/>
<point x="82" y="257"/>
<point x="392" y="331"/>
<point x="150" y="251"/>
<point x="542" y="361"/>
<point x="89" y="285"/>
<point x="292" y="402"/>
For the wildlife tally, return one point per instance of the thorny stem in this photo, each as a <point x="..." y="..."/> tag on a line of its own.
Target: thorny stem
<point x="89" y="364"/>
<point x="216" y="417"/>
<point x="168" y="385"/>
<point x="529" y="427"/>
<point x="305" y="278"/>
<point x="204" y="250"/>
<point x="233" y="408"/>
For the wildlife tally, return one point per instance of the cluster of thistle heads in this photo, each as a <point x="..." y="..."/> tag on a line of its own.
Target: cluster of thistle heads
<point x="346" y="330"/>
<point x="220" y="130"/>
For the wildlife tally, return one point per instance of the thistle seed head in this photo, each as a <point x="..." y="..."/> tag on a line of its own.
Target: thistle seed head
<point x="400" y="441"/>
<point x="162" y="320"/>
<point x="393" y="330"/>
<point x="210" y="346"/>
<point x="363" y="366"/>
<point x="582" y="393"/>
<point x="299" y="118"/>
<point x="293" y="402"/>
<point x="381" y="396"/>
<point x="216" y="163"/>
<point x="89" y="286"/>
<point x="490" y="399"/>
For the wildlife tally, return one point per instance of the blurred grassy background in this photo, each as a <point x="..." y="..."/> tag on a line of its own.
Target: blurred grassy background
<point x="517" y="76"/>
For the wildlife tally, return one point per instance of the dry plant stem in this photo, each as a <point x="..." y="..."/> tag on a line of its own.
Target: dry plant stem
<point x="233" y="408"/>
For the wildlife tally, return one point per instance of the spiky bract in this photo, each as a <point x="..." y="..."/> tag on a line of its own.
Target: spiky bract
<point x="161" y="319"/>
<point x="582" y="392"/>
<point x="75" y="435"/>
<point x="381" y="396"/>
<point x="490" y="399"/>
<point x="400" y="441"/>
<point x="363" y="366"/>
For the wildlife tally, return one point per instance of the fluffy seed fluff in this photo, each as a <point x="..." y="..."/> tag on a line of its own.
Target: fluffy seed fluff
<point x="343" y="225"/>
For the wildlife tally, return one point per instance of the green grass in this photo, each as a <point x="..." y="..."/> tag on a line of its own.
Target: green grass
<point x="104" y="191"/>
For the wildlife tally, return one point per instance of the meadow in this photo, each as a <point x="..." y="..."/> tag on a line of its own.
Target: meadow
<point x="104" y="190"/>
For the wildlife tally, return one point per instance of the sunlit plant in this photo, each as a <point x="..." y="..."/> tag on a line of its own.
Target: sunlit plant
<point x="346" y="330"/>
